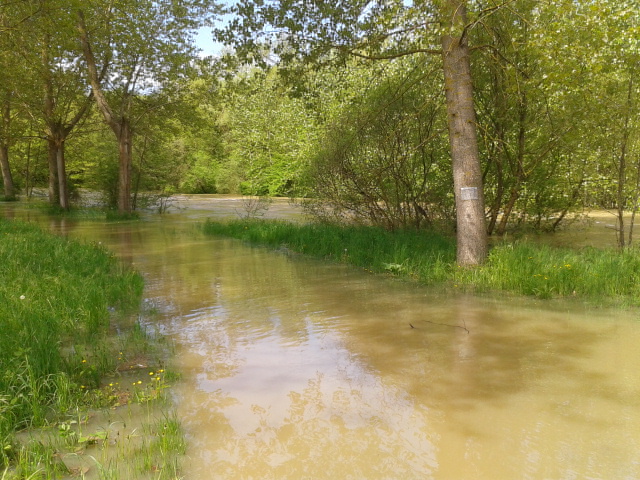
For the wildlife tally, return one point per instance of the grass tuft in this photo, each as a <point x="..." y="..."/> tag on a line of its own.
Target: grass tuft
<point x="601" y="275"/>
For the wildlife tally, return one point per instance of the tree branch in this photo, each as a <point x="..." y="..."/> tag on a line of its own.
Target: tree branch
<point x="94" y="77"/>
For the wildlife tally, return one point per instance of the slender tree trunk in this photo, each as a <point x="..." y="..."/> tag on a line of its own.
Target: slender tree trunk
<point x="622" y="167"/>
<point x="498" y="154"/>
<point x="27" y="173"/>
<point x="52" y="126"/>
<point x="7" y="178"/>
<point x="520" y="174"/>
<point x="124" y="171"/>
<point x="508" y="209"/>
<point x="621" y="198"/>
<point x="636" y="203"/>
<point x="58" y="184"/>
<point x="497" y="202"/>
<point x="472" y="246"/>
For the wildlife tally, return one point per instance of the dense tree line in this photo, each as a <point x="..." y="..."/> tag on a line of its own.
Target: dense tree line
<point x="65" y="57"/>
<point x="349" y="105"/>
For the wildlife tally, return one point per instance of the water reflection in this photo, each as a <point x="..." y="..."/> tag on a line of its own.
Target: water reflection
<point x="286" y="407"/>
<point x="297" y="369"/>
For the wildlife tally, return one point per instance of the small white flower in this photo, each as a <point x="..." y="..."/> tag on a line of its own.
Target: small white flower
<point x="22" y="297"/>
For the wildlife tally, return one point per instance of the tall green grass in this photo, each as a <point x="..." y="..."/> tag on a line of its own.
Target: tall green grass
<point x="606" y="276"/>
<point x="599" y="276"/>
<point x="427" y="256"/>
<point x="56" y="300"/>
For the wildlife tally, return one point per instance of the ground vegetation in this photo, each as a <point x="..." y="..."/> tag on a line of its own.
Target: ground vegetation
<point x="61" y="304"/>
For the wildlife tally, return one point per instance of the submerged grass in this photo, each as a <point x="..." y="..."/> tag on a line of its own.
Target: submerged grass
<point x="598" y="276"/>
<point x="59" y="301"/>
<point x="426" y="256"/>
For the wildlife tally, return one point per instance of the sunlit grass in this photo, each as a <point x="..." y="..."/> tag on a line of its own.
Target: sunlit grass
<point x="602" y="275"/>
<point x="59" y="356"/>
<point x="599" y="276"/>
<point x="55" y="297"/>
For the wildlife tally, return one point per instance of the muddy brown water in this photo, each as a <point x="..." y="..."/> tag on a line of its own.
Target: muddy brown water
<point x="293" y="368"/>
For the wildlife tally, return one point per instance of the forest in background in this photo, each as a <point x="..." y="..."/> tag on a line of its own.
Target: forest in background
<point x="344" y="109"/>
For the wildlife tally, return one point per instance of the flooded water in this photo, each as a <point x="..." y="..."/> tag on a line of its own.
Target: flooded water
<point x="294" y="368"/>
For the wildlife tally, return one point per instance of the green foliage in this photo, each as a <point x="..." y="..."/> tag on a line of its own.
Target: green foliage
<point x="55" y="297"/>
<point x="327" y="32"/>
<point x="556" y="94"/>
<point x="93" y="164"/>
<point x="384" y="158"/>
<point x="556" y="98"/>
<point x="269" y="136"/>
<point x="202" y="176"/>
<point x="552" y="103"/>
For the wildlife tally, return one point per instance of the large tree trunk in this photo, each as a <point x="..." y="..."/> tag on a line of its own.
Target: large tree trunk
<point x="58" y="184"/>
<point x="63" y="186"/>
<point x="467" y="174"/>
<point x="52" y="157"/>
<point x="7" y="178"/>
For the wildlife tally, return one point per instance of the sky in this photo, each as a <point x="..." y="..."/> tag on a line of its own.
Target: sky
<point x="204" y="39"/>
<point x="205" y="43"/>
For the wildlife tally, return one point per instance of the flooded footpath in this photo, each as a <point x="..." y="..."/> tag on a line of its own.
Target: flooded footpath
<point x="293" y="368"/>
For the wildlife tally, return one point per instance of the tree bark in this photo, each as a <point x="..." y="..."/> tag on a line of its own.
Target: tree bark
<point x="472" y="248"/>
<point x="52" y="157"/>
<point x="58" y="184"/>
<point x="7" y="178"/>
<point x="63" y="185"/>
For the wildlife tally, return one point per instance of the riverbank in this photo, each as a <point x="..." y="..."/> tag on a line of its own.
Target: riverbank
<point x="69" y="344"/>
<point x="597" y="276"/>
